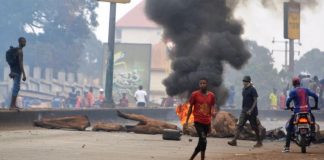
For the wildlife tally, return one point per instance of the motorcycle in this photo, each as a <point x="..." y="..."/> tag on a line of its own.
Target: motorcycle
<point x="302" y="134"/>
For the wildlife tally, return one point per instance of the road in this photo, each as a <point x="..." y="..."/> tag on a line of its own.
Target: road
<point x="40" y="144"/>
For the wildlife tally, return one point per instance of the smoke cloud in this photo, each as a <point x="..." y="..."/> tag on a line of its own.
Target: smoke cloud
<point x="205" y="35"/>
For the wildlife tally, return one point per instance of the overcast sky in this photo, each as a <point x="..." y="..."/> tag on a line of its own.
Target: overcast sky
<point x="260" y="24"/>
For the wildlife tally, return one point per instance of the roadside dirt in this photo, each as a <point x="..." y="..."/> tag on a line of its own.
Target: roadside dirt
<point x="40" y="144"/>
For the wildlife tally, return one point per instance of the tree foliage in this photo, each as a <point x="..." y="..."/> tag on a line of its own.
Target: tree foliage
<point x="261" y="69"/>
<point x="311" y="62"/>
<point x="93" y="57"/>
<point x="56" y="30"/>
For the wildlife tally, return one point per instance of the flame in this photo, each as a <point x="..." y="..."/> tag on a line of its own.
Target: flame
<point x="182" y="111"/>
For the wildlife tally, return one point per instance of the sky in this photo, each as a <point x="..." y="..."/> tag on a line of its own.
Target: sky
<point x="260" y="24"/>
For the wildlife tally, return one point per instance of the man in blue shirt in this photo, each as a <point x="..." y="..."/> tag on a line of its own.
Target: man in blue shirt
<point x="299" y="95"/>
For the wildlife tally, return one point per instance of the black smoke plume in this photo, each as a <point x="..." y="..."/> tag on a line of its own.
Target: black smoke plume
<point x="205" y="35"/>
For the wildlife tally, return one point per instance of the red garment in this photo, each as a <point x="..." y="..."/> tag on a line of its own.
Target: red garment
<point x="78" y="102"/>
<point x="101" y="98"/>
<point x="90" y="99"/>
<point x="123" y="102"/>
<point x="203" y="105"/>
<point x="282" y="101"/>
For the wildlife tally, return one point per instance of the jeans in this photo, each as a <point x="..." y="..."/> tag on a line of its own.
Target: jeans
<point x="16" y="84"/>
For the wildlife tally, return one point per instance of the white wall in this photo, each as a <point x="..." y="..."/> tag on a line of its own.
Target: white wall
<point x="140" y="35"/>
<point x="156" y="80"/>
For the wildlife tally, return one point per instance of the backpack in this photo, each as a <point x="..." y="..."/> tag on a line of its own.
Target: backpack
<point x="12" y="56"/>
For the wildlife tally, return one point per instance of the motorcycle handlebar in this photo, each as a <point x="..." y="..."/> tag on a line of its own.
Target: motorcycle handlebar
<point x="292" y="108"/>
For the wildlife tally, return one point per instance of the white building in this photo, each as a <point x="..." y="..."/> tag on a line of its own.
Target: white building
<point x="135" y="27"/>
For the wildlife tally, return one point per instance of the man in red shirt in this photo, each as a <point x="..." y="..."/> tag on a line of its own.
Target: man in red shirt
<point x="204" y="103"/>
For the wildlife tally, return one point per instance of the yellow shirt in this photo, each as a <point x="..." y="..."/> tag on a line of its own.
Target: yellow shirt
<point x="273" y="99"/>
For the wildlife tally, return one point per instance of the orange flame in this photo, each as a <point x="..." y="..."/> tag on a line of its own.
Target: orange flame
<point x="182" y="112"/>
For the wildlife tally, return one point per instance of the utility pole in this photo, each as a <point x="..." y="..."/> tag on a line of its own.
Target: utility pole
<point x="291" y="28"/>
<point x="286" y="51"/>
<point x="111" y="50"/>
<point x="286" y="65"/>
<point x="291" y="56"/>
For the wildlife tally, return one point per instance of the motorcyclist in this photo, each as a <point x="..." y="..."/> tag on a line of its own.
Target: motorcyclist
<point x="299" y="95"/>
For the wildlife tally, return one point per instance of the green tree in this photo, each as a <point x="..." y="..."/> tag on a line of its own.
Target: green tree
<point x="56" y="30"/>
<point x="311" y="62"/>
<point x="92" y="60"/>
<point x="260" y="68"/>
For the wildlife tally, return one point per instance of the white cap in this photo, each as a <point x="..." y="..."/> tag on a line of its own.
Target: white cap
<point x="101" y="89"/>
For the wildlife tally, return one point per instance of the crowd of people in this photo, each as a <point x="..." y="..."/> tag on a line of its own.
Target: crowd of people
<point x="89" y="100"/>
<point x="77" y="100"/>
<point x="277" y="100"/>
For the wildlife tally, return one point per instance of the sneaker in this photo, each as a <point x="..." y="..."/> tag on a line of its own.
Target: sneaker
<point x="285" y="150"/>
<point x="232" y="143"/>
<point x="258" y="144"/>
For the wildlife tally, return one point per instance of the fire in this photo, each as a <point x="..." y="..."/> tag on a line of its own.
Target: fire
<point x="182" y="111"/>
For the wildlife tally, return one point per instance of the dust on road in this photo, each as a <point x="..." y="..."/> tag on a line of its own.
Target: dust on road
<point x="40" y="144"/>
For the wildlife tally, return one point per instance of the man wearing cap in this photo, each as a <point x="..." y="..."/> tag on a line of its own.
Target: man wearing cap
<point x="249" y="111"/>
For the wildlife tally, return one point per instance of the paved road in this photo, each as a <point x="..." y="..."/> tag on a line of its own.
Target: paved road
<point x="43" y="144"/>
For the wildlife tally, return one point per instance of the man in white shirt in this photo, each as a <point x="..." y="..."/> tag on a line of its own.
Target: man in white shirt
<point x="140" y="97"/>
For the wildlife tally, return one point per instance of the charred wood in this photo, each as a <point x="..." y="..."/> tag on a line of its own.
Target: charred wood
<point x="69" y="122"/>
<point x="108" y="127"/>
<point x="146" y="125"/>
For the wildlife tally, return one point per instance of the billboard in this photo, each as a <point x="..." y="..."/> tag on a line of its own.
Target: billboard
<point x="132" y="67"/>
<point x="292" y="20"/>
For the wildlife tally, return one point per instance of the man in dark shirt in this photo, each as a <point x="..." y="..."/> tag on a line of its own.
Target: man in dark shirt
<point x="249" y="111"/>
<point x="16" y="70"/>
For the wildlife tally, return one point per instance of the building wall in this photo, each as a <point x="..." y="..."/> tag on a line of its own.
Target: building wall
<point x="156" y="80"/>
<point x="147" y="36"/>
<point x="138" y="35"/>
<point x="157" y="89"/>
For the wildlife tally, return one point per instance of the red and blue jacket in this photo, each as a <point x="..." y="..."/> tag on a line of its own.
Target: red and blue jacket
<point x="300" y="97"/>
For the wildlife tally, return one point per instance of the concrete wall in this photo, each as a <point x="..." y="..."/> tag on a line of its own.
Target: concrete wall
<point x="26" y="118"/>
<point x="46" y="84"/>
